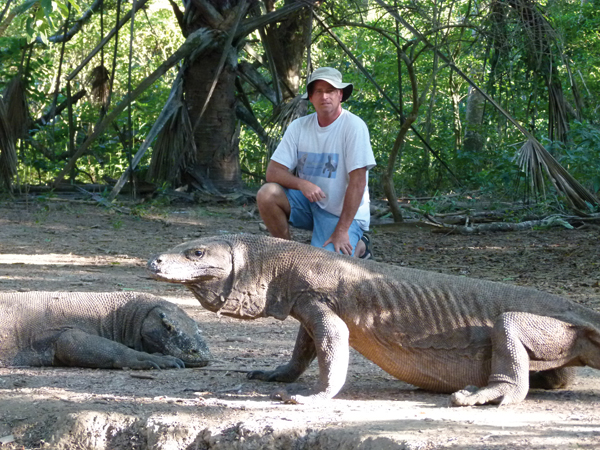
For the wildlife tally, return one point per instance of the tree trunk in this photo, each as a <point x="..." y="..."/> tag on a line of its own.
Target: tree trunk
<point x="455" y="97"/>
<point x="473" y="142"/>
<point x="216" y="132"/>
<point x="216" y="165"/>
<point x="287" y="41"/>
<point x="209" y="95"/>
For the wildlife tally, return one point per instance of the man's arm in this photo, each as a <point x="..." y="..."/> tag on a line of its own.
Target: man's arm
<point x="280" y="174"/>
<point x="354" y="194"/>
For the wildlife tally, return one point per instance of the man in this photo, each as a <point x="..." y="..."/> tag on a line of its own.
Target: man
<point x="332" y="155"/>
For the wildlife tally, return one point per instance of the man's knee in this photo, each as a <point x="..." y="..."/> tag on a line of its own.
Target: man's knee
<point x="269" y="193"/>
<point x="271" y="199"/>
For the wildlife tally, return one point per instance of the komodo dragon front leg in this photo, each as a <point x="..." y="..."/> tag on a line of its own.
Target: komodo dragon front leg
<point x="324" y="335"/>
<point x="524" y="342"/>
<point x="75" y="347"/>
<point x="304" y="353"/>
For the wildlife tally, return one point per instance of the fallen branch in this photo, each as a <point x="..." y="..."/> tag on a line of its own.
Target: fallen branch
<point x="569" y="222"/>
<point x="464" y="221"/>
<point x="103" y="201"/>
<point x="466" y="217"/>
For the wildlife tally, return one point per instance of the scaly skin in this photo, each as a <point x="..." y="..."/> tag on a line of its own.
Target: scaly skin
<point x="435" y="331"/>
<point x="101" y="330"/>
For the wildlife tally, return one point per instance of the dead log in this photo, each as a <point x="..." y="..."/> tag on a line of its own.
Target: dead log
<point x="569" y="222"/>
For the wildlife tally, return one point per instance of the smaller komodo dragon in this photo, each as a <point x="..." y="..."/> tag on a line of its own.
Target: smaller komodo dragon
<point x="439" y="332"/>
<point x="110" y="330"/>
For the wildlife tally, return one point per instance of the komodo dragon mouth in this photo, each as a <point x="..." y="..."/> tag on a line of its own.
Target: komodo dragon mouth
<point x="170" y="278"/>
<point x="175" y="273"/>
<point x="191" y="264"/>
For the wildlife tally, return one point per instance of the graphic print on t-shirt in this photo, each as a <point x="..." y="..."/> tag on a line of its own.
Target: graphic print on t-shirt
<point x="317" y="165"/>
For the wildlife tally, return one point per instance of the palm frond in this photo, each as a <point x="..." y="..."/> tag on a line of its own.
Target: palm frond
<point x="284" y="114"/>
<point x="174" y="149"/>
<point x="534" y="159"/>
<point x="100" y="81"/>
<point x="15" y="102"/>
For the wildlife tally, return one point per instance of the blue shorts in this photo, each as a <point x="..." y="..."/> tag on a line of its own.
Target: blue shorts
<point x="310" y="216"/>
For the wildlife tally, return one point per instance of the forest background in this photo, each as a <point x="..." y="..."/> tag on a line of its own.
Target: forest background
<point x="490" y="96"/>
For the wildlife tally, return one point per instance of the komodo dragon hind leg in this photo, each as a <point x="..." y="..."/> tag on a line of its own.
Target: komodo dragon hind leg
<point x="522" y="342"/>
<point x="552" y="379"/>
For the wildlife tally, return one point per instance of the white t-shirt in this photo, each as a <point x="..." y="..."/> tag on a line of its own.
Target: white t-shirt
<point x="326" y="155"/>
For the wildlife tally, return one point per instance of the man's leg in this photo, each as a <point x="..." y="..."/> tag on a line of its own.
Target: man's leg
<point x="324" y="225"/>
<point x="274" y="209"/>
<point x="276" y="204"/>
<point x="360" y="249"/>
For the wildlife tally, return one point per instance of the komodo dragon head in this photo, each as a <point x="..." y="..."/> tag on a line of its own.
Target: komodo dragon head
<point x="230" y="274"/>
<point x="167" y="329"/>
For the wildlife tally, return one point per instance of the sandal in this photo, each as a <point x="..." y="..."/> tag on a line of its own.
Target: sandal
<point x="368" y="253"/>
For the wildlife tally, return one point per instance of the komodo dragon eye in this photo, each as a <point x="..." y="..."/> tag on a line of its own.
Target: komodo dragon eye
<point x="195" y="254"/>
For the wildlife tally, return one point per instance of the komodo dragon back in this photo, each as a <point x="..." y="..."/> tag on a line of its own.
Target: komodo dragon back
<point x="106" y="330"/>
<point x="439" y="332"/>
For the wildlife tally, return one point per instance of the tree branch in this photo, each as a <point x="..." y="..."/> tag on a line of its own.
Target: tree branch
<point x="252" y="76"/>
<point x="249" y="25"/>
<point x="76" y="28"/>
<point x="111" y="33"/>
<point x="209" y="14"/>
<point x="199" y="41"/>
<point x="53" y="112"/>
<point x="2" y="14"/>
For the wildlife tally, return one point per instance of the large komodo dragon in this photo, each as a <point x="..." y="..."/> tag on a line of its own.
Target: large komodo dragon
<point x="103" y="330"/>
<point x="435" y="331"/>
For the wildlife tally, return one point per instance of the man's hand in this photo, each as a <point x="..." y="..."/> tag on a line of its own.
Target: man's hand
<point x="312" y="192"/>
<point x="278" y="173"/>
<point x="341" y="242"/>
<point x="354" y="193"/>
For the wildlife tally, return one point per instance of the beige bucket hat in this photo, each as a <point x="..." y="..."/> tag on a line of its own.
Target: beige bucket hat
<point x="331" y="76"/>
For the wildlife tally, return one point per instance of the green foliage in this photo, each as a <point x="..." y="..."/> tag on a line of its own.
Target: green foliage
<point x="157" y="36"/>
<point x="493" y="54"/>
<point x="581" y="156"/>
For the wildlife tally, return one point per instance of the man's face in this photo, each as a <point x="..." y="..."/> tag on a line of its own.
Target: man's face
<point x="326" y="99"/>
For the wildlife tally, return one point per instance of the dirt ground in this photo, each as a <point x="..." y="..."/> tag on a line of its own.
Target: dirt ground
<point x="62" y="245"/>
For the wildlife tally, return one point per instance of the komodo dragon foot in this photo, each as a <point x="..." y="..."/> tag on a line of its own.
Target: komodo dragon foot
<point x="522" y="357"/>
<point x="471" y="396"/>
<point x="80" y="349"/>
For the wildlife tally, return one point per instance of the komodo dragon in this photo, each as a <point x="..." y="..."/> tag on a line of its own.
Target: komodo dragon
<point x="103" y="330"/>
<point x="439" y="332"/>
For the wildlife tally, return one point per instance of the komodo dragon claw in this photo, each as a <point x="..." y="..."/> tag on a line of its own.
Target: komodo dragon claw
<point x="145" y="361"/>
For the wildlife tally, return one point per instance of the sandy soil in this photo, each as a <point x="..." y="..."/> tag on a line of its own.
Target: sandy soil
<point x="70" y="246"/>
